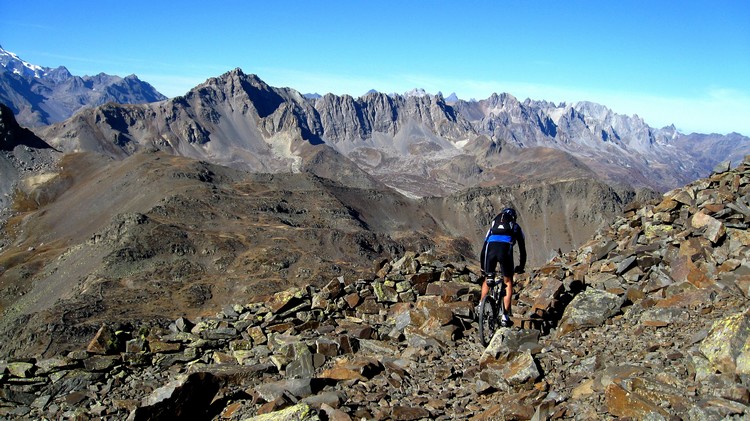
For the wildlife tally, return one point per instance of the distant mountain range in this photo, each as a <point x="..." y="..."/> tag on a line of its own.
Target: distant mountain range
<point x="416" y="143"/>
<point x="41" y="95"/>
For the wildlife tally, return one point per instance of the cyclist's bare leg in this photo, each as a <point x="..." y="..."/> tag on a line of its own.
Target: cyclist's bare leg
<point x="508" y="280"/>
<point x="485" y="289"/>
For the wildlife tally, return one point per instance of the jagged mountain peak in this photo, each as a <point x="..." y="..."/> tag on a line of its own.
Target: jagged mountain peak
<point x="13" y="63"/>
<point x="451" y="98"/>
<point x="235" y="74"/>
<point x="603" y="113"/>
<point x="236" y="81"/>
<point x="59" y="74"/>
<point x="16" y="65"/>
<point x="502" y="101"/>
<point x="416" y="92"/>
<point x="591" y="107"/>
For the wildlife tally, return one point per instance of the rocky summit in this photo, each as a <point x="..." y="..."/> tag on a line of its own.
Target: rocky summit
<point x="648" y="320"/>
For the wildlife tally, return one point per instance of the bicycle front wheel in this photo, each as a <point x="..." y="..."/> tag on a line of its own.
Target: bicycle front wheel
<point x="487" y="320"/>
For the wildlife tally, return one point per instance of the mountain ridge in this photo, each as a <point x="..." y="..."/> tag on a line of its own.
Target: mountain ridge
<point x="407" y="140"/>
<point x="42" y="95"/>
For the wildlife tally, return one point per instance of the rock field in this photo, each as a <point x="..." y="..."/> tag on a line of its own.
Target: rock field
<point x="648" y="320"/>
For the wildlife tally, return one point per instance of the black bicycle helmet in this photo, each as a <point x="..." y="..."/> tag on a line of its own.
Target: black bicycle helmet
<point x="510" y="213"/>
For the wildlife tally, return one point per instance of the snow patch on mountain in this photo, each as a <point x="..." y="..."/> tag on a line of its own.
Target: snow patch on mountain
<point x="10" y="61"/>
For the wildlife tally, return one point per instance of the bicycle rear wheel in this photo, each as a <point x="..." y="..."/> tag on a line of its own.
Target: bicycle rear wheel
<point x="487" y="320"/>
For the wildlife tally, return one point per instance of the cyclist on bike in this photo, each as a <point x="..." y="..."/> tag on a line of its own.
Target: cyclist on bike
<point x="498" y="249"/>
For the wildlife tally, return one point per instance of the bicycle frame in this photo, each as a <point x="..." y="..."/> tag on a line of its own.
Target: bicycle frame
<point x="498" y="293"/>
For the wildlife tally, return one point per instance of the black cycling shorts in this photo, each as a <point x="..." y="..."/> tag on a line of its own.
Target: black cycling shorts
<point x="499" y="253"/>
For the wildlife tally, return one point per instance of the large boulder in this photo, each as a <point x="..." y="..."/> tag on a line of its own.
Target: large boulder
<point x="727" y="345"/>
<point x="589" y="309"/>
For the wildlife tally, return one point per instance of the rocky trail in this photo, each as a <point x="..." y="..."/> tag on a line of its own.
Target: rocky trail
<point x="648" y="320"/>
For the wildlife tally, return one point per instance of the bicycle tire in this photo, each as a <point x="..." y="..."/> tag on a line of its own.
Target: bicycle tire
<point x="487" y="319"/>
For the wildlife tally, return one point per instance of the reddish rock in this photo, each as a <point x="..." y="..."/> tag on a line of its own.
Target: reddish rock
<point x="433" y="308"/>
<point x="104" y="342"/>
<point x="713" y="229"/>
<point x="352" y="299"/>
<point x="406" y="413"/>
<point x="550" y="291"/>
<point x="333" y="289"/>
<point x="684" y="270"/>
<point x="369" y="306"/>
<point x="356" y="368"/>
<point x="622" y="403"/>
<point x="280" y="327"/>
<point x="421" y="281"/>
<point x="327" y="347"/>
<point x="449" y="291"/>
<point x="689" y="299"/>
<point x="283" y="299"/>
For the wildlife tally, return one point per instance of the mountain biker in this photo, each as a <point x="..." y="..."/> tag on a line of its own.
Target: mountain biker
<point x="497" y="249"/>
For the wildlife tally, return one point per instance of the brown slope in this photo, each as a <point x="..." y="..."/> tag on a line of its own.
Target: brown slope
<point x="155" y="235"/>
<point x="24" y="160"/>
<point x="515" y="165"/>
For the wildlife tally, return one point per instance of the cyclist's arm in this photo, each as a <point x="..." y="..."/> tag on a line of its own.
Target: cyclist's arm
<point x="481" y="256"/>
<point x="484" y="249"/>
<point x="521" y="247"/>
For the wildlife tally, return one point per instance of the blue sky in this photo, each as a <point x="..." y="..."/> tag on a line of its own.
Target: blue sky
<point x="681" y="62"/>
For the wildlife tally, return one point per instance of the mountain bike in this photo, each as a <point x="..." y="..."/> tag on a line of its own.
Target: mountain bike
<point x="491" y="310"/>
